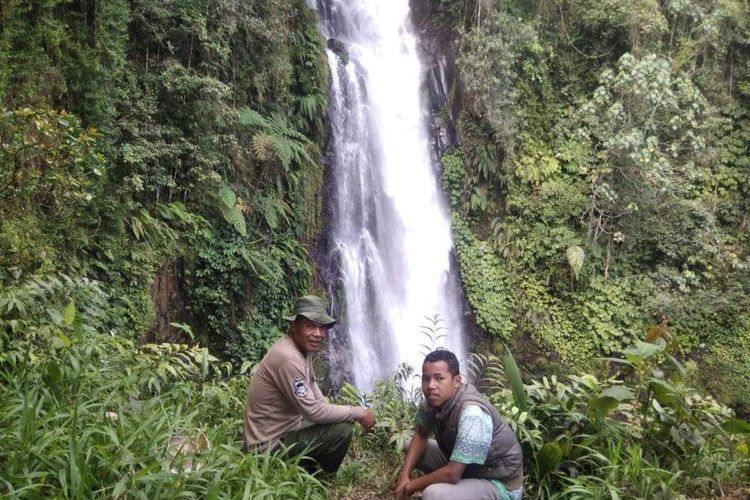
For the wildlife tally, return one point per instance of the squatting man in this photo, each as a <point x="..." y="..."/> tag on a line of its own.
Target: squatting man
<point x="284" y="403"/>
<point x="475" y="454"/>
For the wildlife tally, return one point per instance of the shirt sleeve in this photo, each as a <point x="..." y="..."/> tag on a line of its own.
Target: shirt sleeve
<point x="474" y="436"/>
<point x="304" y="394"/>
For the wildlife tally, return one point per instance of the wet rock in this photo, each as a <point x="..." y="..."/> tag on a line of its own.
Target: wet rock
<point x="441" y="84"/>
<point x="339" y="48"/>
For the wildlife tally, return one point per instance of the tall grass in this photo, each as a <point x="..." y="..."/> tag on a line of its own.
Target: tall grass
<point x="97" y="416"/>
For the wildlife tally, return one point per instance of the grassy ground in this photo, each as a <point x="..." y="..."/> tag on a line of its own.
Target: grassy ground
<point x="367" y="473"/>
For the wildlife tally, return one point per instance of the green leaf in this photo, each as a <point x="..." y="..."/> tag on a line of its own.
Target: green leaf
<point x="69" y="313"/>
<point x="666" y="394"/>
<point x="204" y="363"/>
<point x="184" y="328"/>
<point x="643" y="350"/>
<point x="251" y="118"/>
<point x="227" y="197"/>
<point x="54" y="373"/>
<point x="236" y="219"/>
<point x="63" y="338"/>
<point x="603" y="406"/>
<point x="514" y="379"/>
<point x="246" y="366"/>
<point x="549" y="457"/>
<point x="137" y="227"/>
<point x="575" y="255"/>
<point x="618" y="392"/>
<point x="231" y="211"/>
<point x="736" y="426"/>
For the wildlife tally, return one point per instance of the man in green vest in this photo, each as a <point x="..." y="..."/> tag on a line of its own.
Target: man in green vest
<point x="475" y="454"/>
<point x="284" y="403"/>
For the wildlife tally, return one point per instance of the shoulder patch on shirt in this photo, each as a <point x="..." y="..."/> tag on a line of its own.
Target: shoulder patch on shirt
<point x="300" y="389"/>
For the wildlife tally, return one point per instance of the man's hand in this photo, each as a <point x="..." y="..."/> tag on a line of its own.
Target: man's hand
<point x="367" y="420"/>
<point x="400" y="491"/>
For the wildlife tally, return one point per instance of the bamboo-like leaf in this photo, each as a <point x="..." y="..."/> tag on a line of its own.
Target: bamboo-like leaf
<point x="514" y="380"/>
<point x="204" y="363"/>
<point x="184" y="328"/>
<point x="736" y="426"/>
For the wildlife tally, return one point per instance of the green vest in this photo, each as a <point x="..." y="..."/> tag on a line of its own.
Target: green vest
<point x="505" y="459"/>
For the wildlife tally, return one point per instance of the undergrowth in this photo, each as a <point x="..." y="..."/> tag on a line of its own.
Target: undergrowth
<point x="84" y="413"/>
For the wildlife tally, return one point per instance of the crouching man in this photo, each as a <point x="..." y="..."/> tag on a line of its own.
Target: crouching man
<point x="476" y="454"/>
<point x="284" y="403"/>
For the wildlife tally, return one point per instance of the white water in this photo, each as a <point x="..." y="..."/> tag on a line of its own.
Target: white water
<point x="390" y="235"/>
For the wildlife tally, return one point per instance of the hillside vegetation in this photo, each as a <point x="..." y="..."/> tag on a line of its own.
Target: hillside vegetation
<point x="600" y="188"/>
<point x="161" y="186"/>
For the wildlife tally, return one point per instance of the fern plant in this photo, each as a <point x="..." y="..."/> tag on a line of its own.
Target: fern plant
<point x="276" y="145"/>
<point x="432" y="331"/>
<point x="231" y="210"/>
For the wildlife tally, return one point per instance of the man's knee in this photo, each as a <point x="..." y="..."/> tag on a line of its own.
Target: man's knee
<point x="466" y="489"/>
<point x="341" y="432"/>
<point x="332" y="437"/>
<point x="435" y="492"/>
<point x="345" y="429"/>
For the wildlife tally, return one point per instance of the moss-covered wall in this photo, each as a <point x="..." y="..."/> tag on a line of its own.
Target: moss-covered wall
<point x="188" y="148"/>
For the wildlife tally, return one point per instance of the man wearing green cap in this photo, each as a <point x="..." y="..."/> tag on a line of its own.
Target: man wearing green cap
<point x="284" y="403"/>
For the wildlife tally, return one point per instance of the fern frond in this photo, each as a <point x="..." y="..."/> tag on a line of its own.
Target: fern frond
<point x="251" y="118"/>
<point x="283" y="150"/>
<point x="227" y="196"/>
<point x="263" y="146"/>
<point x="231" y="210"/>
<point x="312" y="108"/>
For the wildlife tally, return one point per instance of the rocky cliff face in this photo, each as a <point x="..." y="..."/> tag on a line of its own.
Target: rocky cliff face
<point x="442" y="85"/>
<point x="443" y="90"/>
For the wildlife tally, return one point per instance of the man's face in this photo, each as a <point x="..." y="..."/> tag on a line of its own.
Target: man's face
<point x="308" y="335"/>
<point x="437" y="383"/>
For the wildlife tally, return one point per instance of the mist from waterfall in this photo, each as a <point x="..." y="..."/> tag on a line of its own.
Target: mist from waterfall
<point x="389" y="234"/>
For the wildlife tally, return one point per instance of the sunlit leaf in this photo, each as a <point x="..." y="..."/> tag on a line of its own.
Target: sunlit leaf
<point x="619" y="392"/>
<point x="69" y="313"/>
<point x="736" y="426"/>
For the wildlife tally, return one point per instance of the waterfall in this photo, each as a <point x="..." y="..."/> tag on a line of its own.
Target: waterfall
<point x="389" y="239"/>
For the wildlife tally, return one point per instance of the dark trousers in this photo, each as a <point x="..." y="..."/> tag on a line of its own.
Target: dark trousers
<point x="323" y="445"/>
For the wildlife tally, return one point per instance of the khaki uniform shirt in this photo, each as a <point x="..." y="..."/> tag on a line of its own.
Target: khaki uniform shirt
<point x="282" y="393"/>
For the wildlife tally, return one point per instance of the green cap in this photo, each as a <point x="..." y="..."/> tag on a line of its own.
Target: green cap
<point x="312" y="308"/>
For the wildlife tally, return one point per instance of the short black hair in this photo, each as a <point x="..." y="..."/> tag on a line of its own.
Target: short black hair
<point x="444" y="355"/>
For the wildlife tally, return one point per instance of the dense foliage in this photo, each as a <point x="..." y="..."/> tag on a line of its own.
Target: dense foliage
<point x="642" y="433"/>
<point x="168" y="150"/>
<point x="600" y="188"/>
<point x="86" y="413"/>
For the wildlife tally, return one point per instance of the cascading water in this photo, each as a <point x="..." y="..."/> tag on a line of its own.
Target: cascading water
<point x="389" y="234"/>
